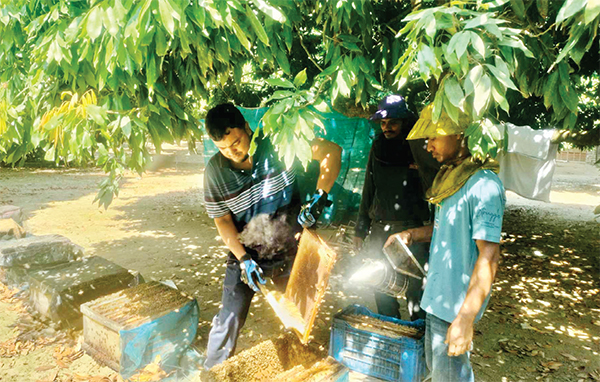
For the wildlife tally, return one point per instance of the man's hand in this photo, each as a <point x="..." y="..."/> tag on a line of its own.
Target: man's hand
<point x="459" y="336"/>
<point x="358" y="243"/>
<point x="310" y="212"/>
<point x="251" y="272"/>
<point x="405" y="236"/>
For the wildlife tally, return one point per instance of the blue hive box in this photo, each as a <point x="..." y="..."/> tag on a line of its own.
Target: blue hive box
<point x="374" y="354"/>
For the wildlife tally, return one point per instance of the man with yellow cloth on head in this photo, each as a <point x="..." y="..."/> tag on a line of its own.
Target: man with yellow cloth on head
<point x="469" y="205"/>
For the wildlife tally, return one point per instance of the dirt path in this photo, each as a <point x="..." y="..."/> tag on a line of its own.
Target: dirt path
<point x="545" y="302"/>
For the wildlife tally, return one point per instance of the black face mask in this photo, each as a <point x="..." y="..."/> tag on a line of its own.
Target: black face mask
<point x="394" y="151"/>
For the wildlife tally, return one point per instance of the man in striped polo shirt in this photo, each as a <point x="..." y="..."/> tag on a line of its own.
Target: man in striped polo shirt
<point x="238" y="188"/>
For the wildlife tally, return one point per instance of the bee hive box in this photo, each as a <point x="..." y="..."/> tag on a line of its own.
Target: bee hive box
<point x="106" y="318"/>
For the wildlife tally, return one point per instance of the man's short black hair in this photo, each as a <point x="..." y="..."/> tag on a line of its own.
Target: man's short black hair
<point x="221" y="117"/>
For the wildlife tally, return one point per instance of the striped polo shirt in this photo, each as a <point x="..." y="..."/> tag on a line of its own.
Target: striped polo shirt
<point x="267" y="188"/>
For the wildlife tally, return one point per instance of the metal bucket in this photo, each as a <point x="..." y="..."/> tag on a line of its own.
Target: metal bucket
<point x="402" y="259"/>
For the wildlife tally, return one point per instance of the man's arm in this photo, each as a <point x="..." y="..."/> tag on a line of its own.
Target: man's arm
<point x="329" y="156"/>
<point x="460" y="332"/>
<point x="412" y="235"/>
<point x="230" y="235"/>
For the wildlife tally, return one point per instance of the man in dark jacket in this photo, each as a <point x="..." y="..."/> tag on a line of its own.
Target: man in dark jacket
<point x="393" y="198"/>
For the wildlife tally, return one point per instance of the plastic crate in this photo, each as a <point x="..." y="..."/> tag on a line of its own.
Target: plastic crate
<point x="373" y="354"/>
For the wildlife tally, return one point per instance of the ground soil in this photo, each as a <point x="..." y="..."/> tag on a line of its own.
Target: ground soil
<point x="543" y="321"/>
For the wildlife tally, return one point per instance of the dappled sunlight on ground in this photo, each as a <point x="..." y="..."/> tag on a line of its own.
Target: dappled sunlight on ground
<point x="545" y="306"/>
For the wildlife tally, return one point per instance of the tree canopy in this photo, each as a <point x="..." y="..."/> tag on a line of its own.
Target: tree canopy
<point x="101" y="82"/>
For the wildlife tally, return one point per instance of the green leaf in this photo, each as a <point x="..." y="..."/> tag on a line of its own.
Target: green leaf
<point x="453" y="62"/>
<point x="280" y="94"/>
<point x="151" y="73"/>
<point x="518" y="44"/>
<point x="473" y="126"/>
<point x="493" y="29"/>
<point x="125" y="124"/>
<point x="592" y="10"/>
<point x="257" y="26"/>
<point x="166" y="15"/>
<point x="454" y="92"/>
<point x="542" y="6"/>
<point x="279" y="82"/>
<point x="300" y="78"/>
<point x="500" y="98"/>
<point x="110" y="22"/>
<point x="283" y="61"/>
<point x="50" y="155"/>
<point x="348" y="38"/>
<point x="289" y="154"/>
<point x="464" y="63"/>
<point x="426" y="60"/>
<point x="569" y="8"/>
<point x="462" y="43"/>
<point x="54" y="52"/>
<point x="430" y="29"/>
<point x="482" y="94"/>
<point x="343" y="83"/>
<point x="270" y="11"/>
<point x="94" y="22"/>
<point x="303" y="150"/>
<point x="478" y="44"/>
<point x="454" y="41"/>
<point x="452" y="111"/>
<point x="518" y="7"/>
<point x="568" y="95"/>
<point x="96" y="113"/>
<point x="241" y="35"/>
<point x="501" y="76"/>
<point x="161" y="42"/>
<point x="550" y="88"/>
<point x="222" y="46"/>
<point x="472" y="79"/>
<point x="437" y="107"/>
<point x="505" y="71"/>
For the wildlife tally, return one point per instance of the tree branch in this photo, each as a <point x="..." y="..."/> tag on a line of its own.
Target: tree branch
<point x="306" y="50"/>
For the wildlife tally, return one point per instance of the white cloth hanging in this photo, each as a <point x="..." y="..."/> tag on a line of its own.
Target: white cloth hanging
<point x="528" y="164"/>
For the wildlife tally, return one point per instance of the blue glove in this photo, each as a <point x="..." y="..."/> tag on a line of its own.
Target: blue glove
<point x="251" y="272"/>
<point x="310" y="212"/>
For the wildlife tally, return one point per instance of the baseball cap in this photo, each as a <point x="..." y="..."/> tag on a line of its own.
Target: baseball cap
<point x="392" y="106"/>
<point x="424" y="127"/>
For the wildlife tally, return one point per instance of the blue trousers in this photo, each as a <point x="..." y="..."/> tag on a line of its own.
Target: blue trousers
<point x="236" y="300"/>
<point x="442" y="367"/>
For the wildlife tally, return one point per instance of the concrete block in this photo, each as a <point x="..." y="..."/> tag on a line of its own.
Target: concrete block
<point x="12" y="212"/>
<point x="38" y="250"/>
<point x="18" y="276"/>
<point x="57" y="292"/>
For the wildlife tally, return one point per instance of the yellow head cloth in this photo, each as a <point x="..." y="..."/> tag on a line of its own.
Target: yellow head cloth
<point x="424" y="128"/>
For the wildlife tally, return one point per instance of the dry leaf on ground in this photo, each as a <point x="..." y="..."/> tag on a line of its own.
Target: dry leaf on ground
<point x="151" y="373"/>
<point x="44" y="368"/>
<point x="569" y="357"/>
<point x="552" y="365"/>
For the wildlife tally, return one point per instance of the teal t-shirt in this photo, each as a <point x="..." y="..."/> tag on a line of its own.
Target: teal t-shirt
<point x="473" y="213"/>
